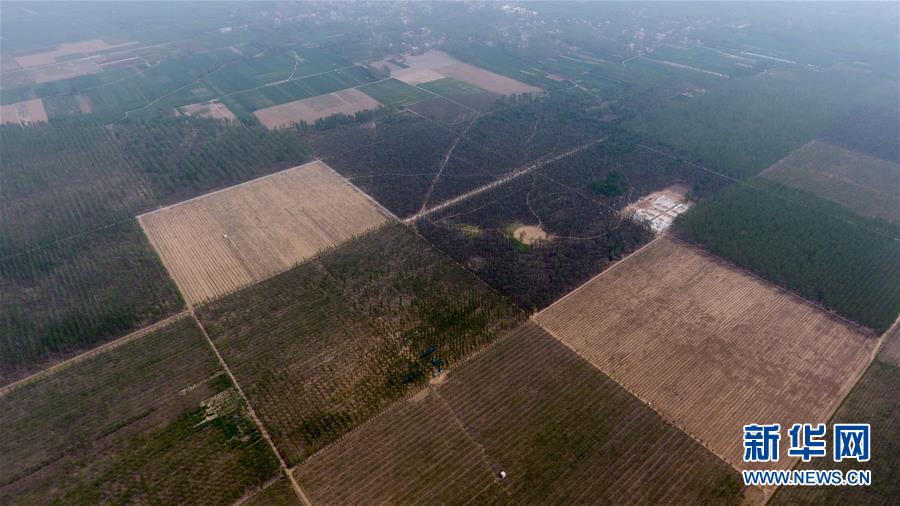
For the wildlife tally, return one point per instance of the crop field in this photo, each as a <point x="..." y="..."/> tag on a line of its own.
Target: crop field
<point x="873" y="400"/>
<point x="66" y="179"/>
<point x="870" y="130"/>
<point x="154" y="420"/>
<point x="324" y="346"/>
<point x="243" y="104"/>
<point x="308" y="110"/>
<point x="742" y="126"/>
<point x="709" y="346"/>
<point x="562" y="431"/>
<point x="215" y="110"/>
<point x="436" y="65"/>
<point x="45" y="314"/>
<point x="278" y="493"/>
<point x="23" y="113"/>
<point x="814" y="247"/>
<point x="394" y="92"/>
<point x="75" y="268"/>
<point x="214" y="244"/>
<point x="863" y="183"/>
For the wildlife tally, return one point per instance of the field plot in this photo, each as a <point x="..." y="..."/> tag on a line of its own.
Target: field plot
<point x="871" y="130"/>
<point x="434" y="65"/>
<point x="873" y="400"/>
<point x="154" y="420"/>
<point x="67" y="49"/>
<point x="709" y="346"/>
<point x="322" y="347"/>
<point x="217" y="243"/>
<point x="562" y="431"/>
<point x="63" y="298"/>
<point x="214" y="109"/>
<point x="863" y="183"/>
<point x="23" y="113"/>
<point x="819" y="249"/>
<point x="308" y="110"/>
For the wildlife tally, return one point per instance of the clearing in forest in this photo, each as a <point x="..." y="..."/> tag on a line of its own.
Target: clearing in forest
<point x="23" y="113"/>
<point x="659" y="209"/>
<point x="349" y="101"/>
<point x="214" y="109"/>
<point x="219" y="242"/>
<point x="563" y="433"/>
<point x="711" y="347"/>
<point x="434" y="65"/>
<point x="864" y="183"/>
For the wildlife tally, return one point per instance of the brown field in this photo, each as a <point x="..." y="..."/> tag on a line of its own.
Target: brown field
<point x="64" y="70"/>
<point x="709" y="346"/>
<point x="861" y="182"/>
<point x="23" y="113"/>
<point x="434" y="65"/>
<point x="219" y="242"/>
<point x="215" y="110"/>
<point x="562" y="431"/>
<point x="156" y="410"/>
<point x="890" y="347"/>
<point x="349" y="101"/>
<point x="65" y="49"/>
<point x="530" y="234"/>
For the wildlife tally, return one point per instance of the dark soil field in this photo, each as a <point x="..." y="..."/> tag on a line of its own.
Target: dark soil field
<point x="321" y="348"/>
<point x="562" y="431"/>
<point x="130" y="425"/>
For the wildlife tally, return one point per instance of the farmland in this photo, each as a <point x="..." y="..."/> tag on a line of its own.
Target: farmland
<point x="153" y="420"/>
<point x="23" y="113"/>
<point x="709" y="346"/>
<point x="436" y="65"/>
<point x="45" y="315"/>
<point x="872" y="401"/>
<point x="217" y="243"/>
<point x="309" y="110"/>
<point x="869" y="130"/>
<point x="76" y="269"/>
<point x="324" y="346"/>
<point x="863" y="183"/>
<point x="768" y="117"/>
<point x="816" y="248"/>
<point x="563" y="432"/>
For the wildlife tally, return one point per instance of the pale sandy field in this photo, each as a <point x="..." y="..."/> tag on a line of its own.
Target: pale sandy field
<point x="349" y="101"/>
<point x="22" y="113"/>
<point x="711" y="347"/>
<point x="434" y="64"/>
<point x="222" y="241"/>
<point x="65" y="49"/>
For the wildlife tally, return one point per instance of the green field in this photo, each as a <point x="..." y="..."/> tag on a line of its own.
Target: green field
<point x="741" y="126"/>
<point x="154" y="420"/>
<point x="816" y="248"/>
<point x="394" y="92"/>
<point x="321" y="348"/>
<point x="863" y="183"/>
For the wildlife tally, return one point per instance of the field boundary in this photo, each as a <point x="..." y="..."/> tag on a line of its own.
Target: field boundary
<point x="262" y="428"/>
<point x="111" y="345"/>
